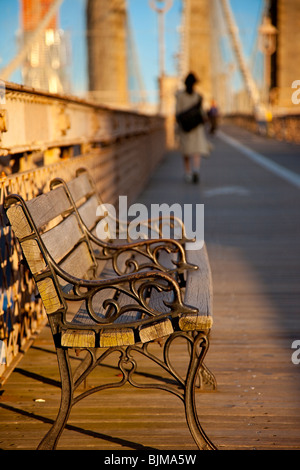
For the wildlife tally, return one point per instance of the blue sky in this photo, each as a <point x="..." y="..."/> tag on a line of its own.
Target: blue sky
<point x="144" y="25"/>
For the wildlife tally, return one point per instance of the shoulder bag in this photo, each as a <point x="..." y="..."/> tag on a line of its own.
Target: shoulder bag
<point x="191" y="118"/>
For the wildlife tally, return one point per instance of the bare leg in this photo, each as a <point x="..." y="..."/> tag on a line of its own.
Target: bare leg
<point x="187" y="167"/>
<point x="196" y="167"/>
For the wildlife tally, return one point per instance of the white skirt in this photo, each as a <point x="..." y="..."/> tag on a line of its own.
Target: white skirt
<point x="194" y="142"/>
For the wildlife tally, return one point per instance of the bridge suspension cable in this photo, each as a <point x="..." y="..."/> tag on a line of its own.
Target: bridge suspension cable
<point x="6" y="72"/>
<point x="134" y="70"/>
<point x="237" y="48"/>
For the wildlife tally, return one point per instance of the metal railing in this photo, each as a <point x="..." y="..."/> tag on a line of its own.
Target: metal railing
<point x="284" y="127"/>
<point x="43" y="136"/>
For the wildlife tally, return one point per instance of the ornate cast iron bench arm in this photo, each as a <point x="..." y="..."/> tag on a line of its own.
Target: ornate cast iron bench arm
<point x="136" y="289"/>
<point x="145" y="254"/>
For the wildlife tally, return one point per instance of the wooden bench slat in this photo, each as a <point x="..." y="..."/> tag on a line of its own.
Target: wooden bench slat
<point x="88" y="212"/>
<point x="60" y="240"/>
<point x="47" y="207"/>
<point x="80" y="186"/>
<point x="78" y="339"/>
<point x="79" y="262"/>
<point x="115" y="337"/>
<point x="156" y="331"/>
<point x="199" y="282"/>
<point x="198" y="292"/>
<point x="49" y="295"/>
<point x="195" y="322"/>
<point x="33" y="256"/>
<point x="18" y="221"/>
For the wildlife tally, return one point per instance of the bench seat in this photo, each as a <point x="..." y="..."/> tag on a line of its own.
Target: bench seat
<point x="197" y="292"/>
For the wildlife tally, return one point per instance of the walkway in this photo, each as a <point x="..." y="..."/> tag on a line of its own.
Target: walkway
<point x="252" y="231"/>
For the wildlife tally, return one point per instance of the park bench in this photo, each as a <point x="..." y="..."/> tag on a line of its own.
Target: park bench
<point x="125" y="302"/>
<point x="173" y="258"/>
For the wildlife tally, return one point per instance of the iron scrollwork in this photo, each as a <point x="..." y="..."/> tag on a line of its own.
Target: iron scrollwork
<point x="140" y="255"/>
<point x="136" y="287"/>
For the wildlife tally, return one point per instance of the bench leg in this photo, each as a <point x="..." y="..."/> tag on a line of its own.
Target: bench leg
<point x="199" y="347"/>
<point x="207" y="379"/>
<point x="50" y="440"/>
<point x="196" y="361"/>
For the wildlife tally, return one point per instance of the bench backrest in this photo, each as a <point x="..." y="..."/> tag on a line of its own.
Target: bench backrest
<point x="83" y="192"/>
<point x="87" y="201"/>
<point x="48" y="229"/>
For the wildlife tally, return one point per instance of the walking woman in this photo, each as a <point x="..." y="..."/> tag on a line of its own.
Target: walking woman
<point x="192" y="143"/>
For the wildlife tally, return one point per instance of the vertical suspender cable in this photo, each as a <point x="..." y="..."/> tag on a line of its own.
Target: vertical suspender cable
<point x="237" y="47"/>
<point x="6" y="72"/>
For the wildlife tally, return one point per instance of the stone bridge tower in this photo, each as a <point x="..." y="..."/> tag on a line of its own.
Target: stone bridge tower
<point x="285" y="15"/>
<point x="197" y="43"/>
<point x="107" y="51"/>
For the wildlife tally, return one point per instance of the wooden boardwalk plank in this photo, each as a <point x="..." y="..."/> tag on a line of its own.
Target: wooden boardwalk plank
<point x="253" y="240"/>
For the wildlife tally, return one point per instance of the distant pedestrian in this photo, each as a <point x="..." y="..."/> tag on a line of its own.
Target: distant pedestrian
<point x="190" y="118"/>
<point x="213" y="114"/>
